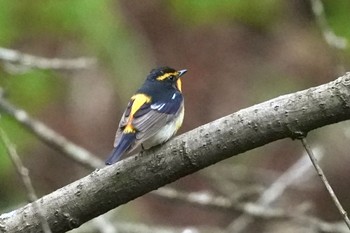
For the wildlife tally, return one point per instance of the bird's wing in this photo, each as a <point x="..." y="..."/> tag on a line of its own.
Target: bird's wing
<point x="137" y="105"/>
<point x="149" y="118"/>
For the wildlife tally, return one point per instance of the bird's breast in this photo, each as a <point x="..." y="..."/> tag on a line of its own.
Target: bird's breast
<point x="166" y="132"/>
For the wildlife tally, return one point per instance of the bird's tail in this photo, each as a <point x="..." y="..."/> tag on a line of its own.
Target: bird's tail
<point x="124" y="144"/>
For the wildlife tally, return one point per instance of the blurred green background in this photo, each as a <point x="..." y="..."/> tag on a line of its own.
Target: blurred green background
<point x="238" y="53"/>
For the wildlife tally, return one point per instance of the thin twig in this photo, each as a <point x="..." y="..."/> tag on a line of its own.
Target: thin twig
<point x="330" y="37"/>
<point x="299" y="170"/>
<point x="325" y="181"/>
<point x="134" y="227"/>
<point x="24" y="175"/>
<point x="295" y="172"/>
<point x="49" y="136"/>
<point x="18" y="58"/>
<point x="338" y="43"/>
<point x="209" y="201"/>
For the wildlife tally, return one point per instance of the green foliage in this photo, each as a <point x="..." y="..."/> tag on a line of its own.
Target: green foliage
<point x="337" y="14"/>
<point x="18" y="137"/>
<point x="4" y="159"/>
<point x="254" y="12"/>
<point x="102" y="31"/>
<point x="91" y="26"/>
<point x="33" y="89"/>
<point x="8" y="29"/>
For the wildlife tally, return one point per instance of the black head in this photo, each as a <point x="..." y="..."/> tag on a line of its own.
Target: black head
<point x="165" y="74"/>
<point x="166" y="77"/>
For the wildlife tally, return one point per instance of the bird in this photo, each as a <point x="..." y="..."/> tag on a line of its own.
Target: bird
<point x="153" y="115"/>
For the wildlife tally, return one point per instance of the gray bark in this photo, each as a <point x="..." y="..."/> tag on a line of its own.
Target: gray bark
<point x="290" y="116"/>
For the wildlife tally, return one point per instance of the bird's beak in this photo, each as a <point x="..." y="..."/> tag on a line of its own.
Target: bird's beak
<point x="182" y="72"/>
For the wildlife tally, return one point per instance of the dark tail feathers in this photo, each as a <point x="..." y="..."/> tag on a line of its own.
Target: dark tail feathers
<point x="124" y="144"/>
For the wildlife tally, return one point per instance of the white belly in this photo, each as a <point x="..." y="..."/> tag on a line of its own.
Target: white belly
<point x="165" y="133"/>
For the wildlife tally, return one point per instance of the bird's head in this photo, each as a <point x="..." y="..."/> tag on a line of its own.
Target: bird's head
<point x="167" y="76"/>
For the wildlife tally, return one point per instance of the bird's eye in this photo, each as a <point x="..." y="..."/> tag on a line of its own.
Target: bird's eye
<point x="172" y="78"/>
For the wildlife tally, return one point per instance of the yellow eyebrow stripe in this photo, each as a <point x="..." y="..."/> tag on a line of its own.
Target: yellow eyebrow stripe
<point x="139" y="100"/>
<point x="164" y="76"/>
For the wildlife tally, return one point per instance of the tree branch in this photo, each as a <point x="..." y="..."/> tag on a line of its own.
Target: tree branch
<point x="30" y="61"/>
<point x="51" y="138"/>
<point x="24" y="175"/>
<point x="286" y="116"/>
<point x="325" y="182"/>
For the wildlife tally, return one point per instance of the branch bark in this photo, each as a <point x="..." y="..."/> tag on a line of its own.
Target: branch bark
<point x="290" y="116"/>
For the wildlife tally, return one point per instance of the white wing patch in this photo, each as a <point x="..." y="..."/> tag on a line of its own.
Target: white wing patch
<point x="157" y="106"/>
